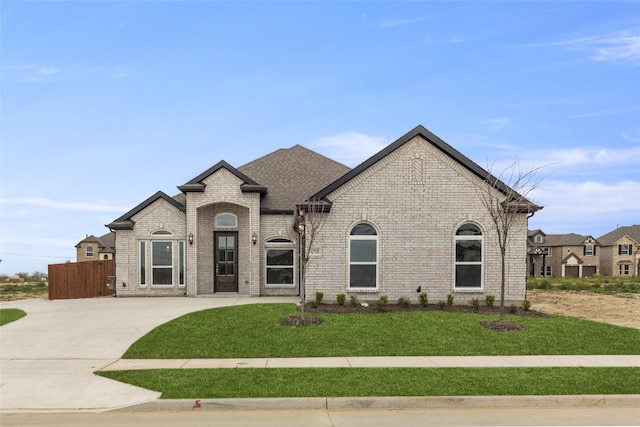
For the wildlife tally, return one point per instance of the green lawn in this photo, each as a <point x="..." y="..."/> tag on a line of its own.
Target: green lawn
<point x="248" y="331"/>
<point x="333" y="382"/>
<point x="254" y="331"/>
<point x="8" y="315"/>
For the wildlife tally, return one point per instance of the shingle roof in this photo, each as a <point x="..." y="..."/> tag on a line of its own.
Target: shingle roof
<point x="612" y="237"/>
<point x="570" y="239"/>
<point x="291" y="175"/>
<point x="107" y="242"/>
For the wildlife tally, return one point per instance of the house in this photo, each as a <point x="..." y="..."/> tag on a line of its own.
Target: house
<point x="93" y="248"/>
<point x="562" y="255"/>
<point x="620" y="251"/>
<point x="410" y="216"/>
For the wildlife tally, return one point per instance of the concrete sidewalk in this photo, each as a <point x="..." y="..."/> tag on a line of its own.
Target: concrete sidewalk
<point x="382" y="362"/>
<point x="49" y="357"/>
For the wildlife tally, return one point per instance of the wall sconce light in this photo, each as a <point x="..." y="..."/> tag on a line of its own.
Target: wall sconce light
<point x="191" y="238"/>
<point x="254" y="238"/>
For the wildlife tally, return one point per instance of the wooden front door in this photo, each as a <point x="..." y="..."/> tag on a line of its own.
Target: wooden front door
<point x="225" y="261"/>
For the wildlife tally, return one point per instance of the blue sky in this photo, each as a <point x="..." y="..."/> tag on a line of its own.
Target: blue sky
<point x="105" y="103"/>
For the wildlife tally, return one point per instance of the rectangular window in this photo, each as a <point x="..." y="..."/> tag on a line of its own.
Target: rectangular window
<point x="363" y="263"/>
<point x="89" y="251"/>
<point x="623" y="269"/>
<point x="279" y="266"/>
<point x="547" y="272"/>
<point x="181" y="263"/>
<point x="589" y="250"/>
<point x="624" y="250"/>
<point x="143" y="263"/>
<point x="162" y="263"/>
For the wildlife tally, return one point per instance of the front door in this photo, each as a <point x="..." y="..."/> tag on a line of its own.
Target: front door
<point x="225" y="261"/>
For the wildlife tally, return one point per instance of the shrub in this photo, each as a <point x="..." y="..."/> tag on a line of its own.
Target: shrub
<point x="319" y="296"/>
<point x="441" y="304"/>
<point x="489" y="300"/>
<point x="354" y="300"/>
<point x="450" y="300"/>
<point x="383" y="300"/>
<point x="526" y="304"/>
<point x="424" y="301"/>
<point x="475" y="303"/>
<point x="513" y="309"/>
<point x="403" y="302"/>
<point x="340" y="298"/>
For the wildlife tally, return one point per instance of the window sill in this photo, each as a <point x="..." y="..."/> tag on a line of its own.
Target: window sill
<point x="468" y="290"/>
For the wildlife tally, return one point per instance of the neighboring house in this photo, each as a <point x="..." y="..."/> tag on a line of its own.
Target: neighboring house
<point x="620" y="251"/>
<point x="410" y="216"/>
<point x="93" y="248"/>
<point x="562" y="255"/>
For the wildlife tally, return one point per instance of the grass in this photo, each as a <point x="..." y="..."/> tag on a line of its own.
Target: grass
<point x="248" y="331"/>
<point x="8" y="315"/>
<point x="597" y="284"/>
<point x="334" y="382"/>
<point x="17" y="291"/>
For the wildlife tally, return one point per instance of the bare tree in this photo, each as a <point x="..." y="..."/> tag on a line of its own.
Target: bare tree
<point x="309" y="221"/>
<point x="506" y="198"/>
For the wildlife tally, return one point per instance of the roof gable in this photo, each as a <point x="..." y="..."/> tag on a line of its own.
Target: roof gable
<point x="197" y="184"/>
<point x="126" y="223"/>
<point x="436" y="142"/>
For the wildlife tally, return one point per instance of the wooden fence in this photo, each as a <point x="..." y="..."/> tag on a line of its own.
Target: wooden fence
<point x="86" y="279"/>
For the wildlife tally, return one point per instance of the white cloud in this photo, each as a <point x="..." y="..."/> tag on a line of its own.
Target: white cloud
<point x="497" y="123"/>
<point x="624" y="136"/>
<point x="350" y="148"/>
<point x="48" y="73"/>
<point x="590" y="156"/>
<point x="622" y="47"/>
<point x="73" y="206"/>
<point x="586" y="207"/>
<point x="390" y="23"/>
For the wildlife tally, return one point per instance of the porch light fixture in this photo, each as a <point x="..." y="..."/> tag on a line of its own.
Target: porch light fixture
<point x="254" y="238"/>
<point x="191" y="238"/>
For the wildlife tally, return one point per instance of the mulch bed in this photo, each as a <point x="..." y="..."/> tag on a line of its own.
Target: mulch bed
<point x="495" y="325"/>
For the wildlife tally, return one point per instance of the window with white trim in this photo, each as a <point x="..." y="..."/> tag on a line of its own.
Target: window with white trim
<point x="279" y="262"/>
<point x="624" y="249"/>
<point x="142" y="253"/>
<point x="469" y="257"/>
<point x="363" y="257"/>
<point x="89" y="252"/>
<point x="589" y="249"/>
<point x="226" y="220"/>
<point x="162" y="263"/>
<point x="624" y="269"/>
<point x="181" y="265"/>
<point x="538" y="238"/>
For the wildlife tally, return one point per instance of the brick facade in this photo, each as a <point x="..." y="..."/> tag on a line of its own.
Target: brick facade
<point x="416" y="196"/>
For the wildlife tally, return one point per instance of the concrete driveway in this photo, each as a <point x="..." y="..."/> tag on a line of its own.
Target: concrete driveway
<point x="49" y="356"/>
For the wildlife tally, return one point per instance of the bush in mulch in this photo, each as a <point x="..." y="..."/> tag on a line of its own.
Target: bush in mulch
<point x="495" y="325"/>
<point x="389" y="308"/>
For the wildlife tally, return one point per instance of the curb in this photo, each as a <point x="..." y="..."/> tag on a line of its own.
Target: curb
<point x="403" y="402"/>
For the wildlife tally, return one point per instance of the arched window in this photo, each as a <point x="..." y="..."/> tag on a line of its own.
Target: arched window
<point x="363" y="257"/>
<point x="279" y="262"/>
<point x="226" y="220"/>
<point x="469" y="257"/>
<point x="89" y="251"/>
